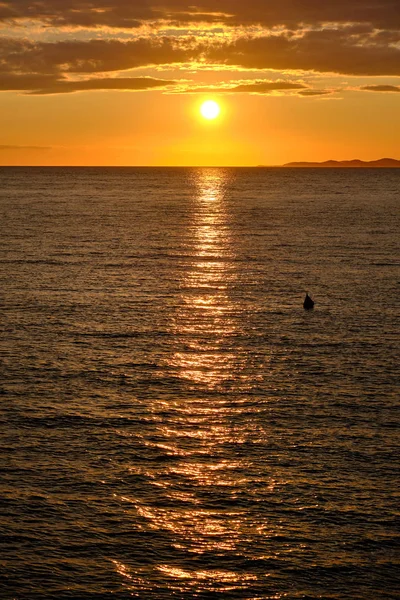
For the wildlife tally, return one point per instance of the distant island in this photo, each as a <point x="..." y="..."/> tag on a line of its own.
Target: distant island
<point x="381" y="163"/>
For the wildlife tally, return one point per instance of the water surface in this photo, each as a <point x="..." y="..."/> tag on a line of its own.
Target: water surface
<point x="174" y="424"/>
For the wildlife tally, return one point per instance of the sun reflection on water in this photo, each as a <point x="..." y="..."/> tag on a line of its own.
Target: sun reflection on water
<point x="195" y="469"/>
<point x="205" y="320"/>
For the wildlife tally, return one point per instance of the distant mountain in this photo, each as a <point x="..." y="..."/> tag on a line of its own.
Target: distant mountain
<point x="383" y="162"/>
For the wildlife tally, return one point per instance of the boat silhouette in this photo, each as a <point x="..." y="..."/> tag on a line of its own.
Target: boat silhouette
<point x="308" y="303"/>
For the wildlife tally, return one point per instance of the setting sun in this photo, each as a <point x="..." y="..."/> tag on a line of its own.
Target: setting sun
<point x="210" y="109"/>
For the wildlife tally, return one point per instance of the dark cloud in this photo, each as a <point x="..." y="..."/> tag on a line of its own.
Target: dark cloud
<point x="322" y="51"/>
<point x="17" y="82"/>
<point x="93" y="56"/>
<point x="329" y="50"/>
<point x="248" y="87"/>
<point x="315" y="92"/>
<point x="42" y="67"/>
<point x="381" y="88"/>
<point x="48" y="84"/>
<point x="383" y="14"/>
<point x="265" y="87"/>
<point x="121" y="83"/>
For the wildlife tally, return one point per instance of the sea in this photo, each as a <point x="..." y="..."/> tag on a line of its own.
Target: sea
<point x="174" y="424"/>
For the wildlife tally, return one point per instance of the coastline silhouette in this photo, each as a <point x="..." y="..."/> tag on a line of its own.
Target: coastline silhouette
<point x="381" y="163"/>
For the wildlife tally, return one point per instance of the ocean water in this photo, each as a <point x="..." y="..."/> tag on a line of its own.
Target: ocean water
<point x="173" y="424"/>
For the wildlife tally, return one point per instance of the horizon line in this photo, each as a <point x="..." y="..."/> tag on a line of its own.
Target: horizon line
<point x="330" y="163"/>
<point x="286" y="166"/>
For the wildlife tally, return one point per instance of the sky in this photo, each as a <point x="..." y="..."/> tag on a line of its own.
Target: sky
<point x="121" y="82"/>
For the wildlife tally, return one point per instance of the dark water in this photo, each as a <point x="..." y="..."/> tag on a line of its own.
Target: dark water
<point x="174" y="424"/>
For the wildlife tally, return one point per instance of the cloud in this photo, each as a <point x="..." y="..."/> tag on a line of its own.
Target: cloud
<point x="93" y="56"/>
<point x="310" y="92"/>
<point x="133" y="84"/>
<point x="381" y="88"/>
<point x="48" y="84"/>
<point x="42" y="68"/>
<point x="16" y="82"/>
<point x="341" y="38"/>
<point x="382" y="14"/>
<point x="244" y="87"/>
<point x="325" y="51"/>
<point x="266" y="87"/>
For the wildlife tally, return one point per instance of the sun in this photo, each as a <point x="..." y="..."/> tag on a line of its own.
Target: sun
<point x="210" y="109"/>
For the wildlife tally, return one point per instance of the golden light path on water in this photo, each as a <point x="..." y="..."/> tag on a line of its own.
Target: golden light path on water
<point x="205" y="321"/>
<point x="206" y="316"/>
<point x="203" y="479"/>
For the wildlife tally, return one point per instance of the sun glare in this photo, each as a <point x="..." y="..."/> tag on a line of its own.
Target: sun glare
<point x="210" y="109"/>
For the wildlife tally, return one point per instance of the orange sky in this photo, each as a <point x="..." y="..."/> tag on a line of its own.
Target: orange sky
<point x="120" y="82"/>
